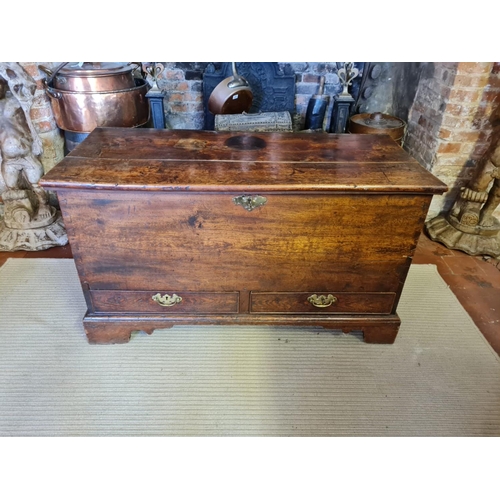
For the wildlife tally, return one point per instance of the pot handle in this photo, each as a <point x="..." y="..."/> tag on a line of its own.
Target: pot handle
<point x="46" y="70"/>
<point x="237" y="81"/>
<point x="52" y="73"/>
<point x="52" y="92"/>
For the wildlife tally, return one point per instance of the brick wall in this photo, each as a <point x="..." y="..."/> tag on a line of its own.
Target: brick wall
<point x="452" y="122"/>
<point x="182" y="84"/>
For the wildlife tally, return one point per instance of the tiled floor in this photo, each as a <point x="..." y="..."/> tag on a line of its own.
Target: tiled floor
<point x="474" y="280"/>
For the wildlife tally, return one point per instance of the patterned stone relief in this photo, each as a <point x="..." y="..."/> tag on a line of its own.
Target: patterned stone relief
<point x="29" y="221"/>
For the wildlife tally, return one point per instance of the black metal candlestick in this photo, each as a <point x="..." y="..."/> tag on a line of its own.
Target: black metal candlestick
<point x="155" y="97"/>
<point x="343" y="102"/>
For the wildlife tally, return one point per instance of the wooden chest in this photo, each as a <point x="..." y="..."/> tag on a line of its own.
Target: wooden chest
<point x="196" y="227"/>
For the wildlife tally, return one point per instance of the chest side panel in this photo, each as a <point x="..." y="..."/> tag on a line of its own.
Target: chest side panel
<point x="205" y="242"/>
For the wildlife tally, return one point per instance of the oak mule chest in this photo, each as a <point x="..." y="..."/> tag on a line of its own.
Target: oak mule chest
<point x="173" y="227"/>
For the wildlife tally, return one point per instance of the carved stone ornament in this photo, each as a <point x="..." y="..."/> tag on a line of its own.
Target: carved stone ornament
<point x="470" y="226"/>
<point x="273" y="121"/>
<point x="29" y="222"/>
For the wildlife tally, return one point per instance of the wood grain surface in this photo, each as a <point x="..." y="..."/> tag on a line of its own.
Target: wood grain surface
<point x="184" y="160"/>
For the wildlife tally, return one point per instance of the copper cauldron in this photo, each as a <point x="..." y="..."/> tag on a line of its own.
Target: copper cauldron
<point x="84" y="111"/>
<point x="91" y="76"/>
<point x="89" y="95"/>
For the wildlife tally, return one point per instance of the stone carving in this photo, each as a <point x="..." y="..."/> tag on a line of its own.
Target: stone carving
<point x="29" y="222"/>
<point x="470" y="226"/>
<point x="273" y="121"/>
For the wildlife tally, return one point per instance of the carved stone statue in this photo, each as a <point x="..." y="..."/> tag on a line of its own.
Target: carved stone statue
<point x="29" y="222"/>
<point x="470" y="226"/>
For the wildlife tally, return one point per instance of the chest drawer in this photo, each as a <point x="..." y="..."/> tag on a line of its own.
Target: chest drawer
<point x="321" y="302"/>
<point x="164" y="302"/>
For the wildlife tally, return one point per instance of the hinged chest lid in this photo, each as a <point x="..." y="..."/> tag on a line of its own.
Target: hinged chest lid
<point x="207" y="161"/>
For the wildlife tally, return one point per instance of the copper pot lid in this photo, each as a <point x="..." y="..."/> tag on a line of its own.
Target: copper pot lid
<point x="90" y="69"/>
<point x="378" y="120"/>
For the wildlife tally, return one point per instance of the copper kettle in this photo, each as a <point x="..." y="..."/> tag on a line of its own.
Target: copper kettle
<point x="231" y="96"/>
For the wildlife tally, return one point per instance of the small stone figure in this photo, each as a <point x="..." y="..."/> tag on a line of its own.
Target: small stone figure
<point x="29" y="222"/>
<point x="470" y="226"/>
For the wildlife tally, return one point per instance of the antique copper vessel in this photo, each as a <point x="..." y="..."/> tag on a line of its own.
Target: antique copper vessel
<point x="232" y="95"/>
<point x="378" y="123"/>
<point x="89" y="95"/>
<point x="91" y="76"/>
<point x="84" y="111"/>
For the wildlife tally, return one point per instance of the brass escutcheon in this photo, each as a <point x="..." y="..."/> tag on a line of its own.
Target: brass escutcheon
<point x="250" y="202"/>
<point x="322" y="301"/>
<point x="167" y="300"/>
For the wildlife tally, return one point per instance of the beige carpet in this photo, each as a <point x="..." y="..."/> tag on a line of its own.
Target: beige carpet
<point x="440" y="378"/>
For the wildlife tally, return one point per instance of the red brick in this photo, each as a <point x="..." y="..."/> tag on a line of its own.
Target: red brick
<point x="307" y="77"/>
<point x="40" y="85"/>
<point x="180" y="86"/>
<point x="480" y="81"/>
<point x="462" y="95"/>
<point x="193" y="96"/>
<point x="174" y="107"/>
<point x="40" y="113"/>
<point x="465" y="136"/>
<point x="460" y="123"/>
<point x="176" y="97"/>
<point x="467" y="148"/>
<point x="474" y="67"/>
<point x="444" y="133"/>
<point x="449" y="147"/>
<point x="471" y="81"/>
<point x="453" y="109"/>
<point x="462" y="81"/>
<point x="451" y="159"/>
<point x="175" y="74"/>
<point x="44" y="126"/>
<point x="31" y="68"/>
<point x="450" y="121"/>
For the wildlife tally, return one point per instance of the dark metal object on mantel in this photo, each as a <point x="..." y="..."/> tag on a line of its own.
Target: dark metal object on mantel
<point x="344" y="101"/>
<point x="155" y="96"/>
<point x="316" y="108"/>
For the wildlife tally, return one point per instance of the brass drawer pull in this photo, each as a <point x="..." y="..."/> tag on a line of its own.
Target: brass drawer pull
<point x="322" y="301"/>
<point x="167" y="300"/>
<point x="250" y="202"/>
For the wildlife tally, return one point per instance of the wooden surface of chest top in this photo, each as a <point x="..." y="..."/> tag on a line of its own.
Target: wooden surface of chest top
<point x="150" y="159"/>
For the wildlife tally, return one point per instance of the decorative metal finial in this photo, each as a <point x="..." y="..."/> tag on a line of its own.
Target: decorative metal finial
<point x="154" y="71"/>
<point x="346" y="75"/>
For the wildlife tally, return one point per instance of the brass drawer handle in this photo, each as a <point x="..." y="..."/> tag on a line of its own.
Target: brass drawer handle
<point x="167" y="300"/>
<point x="250" y="202"/>
<point x="322" y="301"/>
